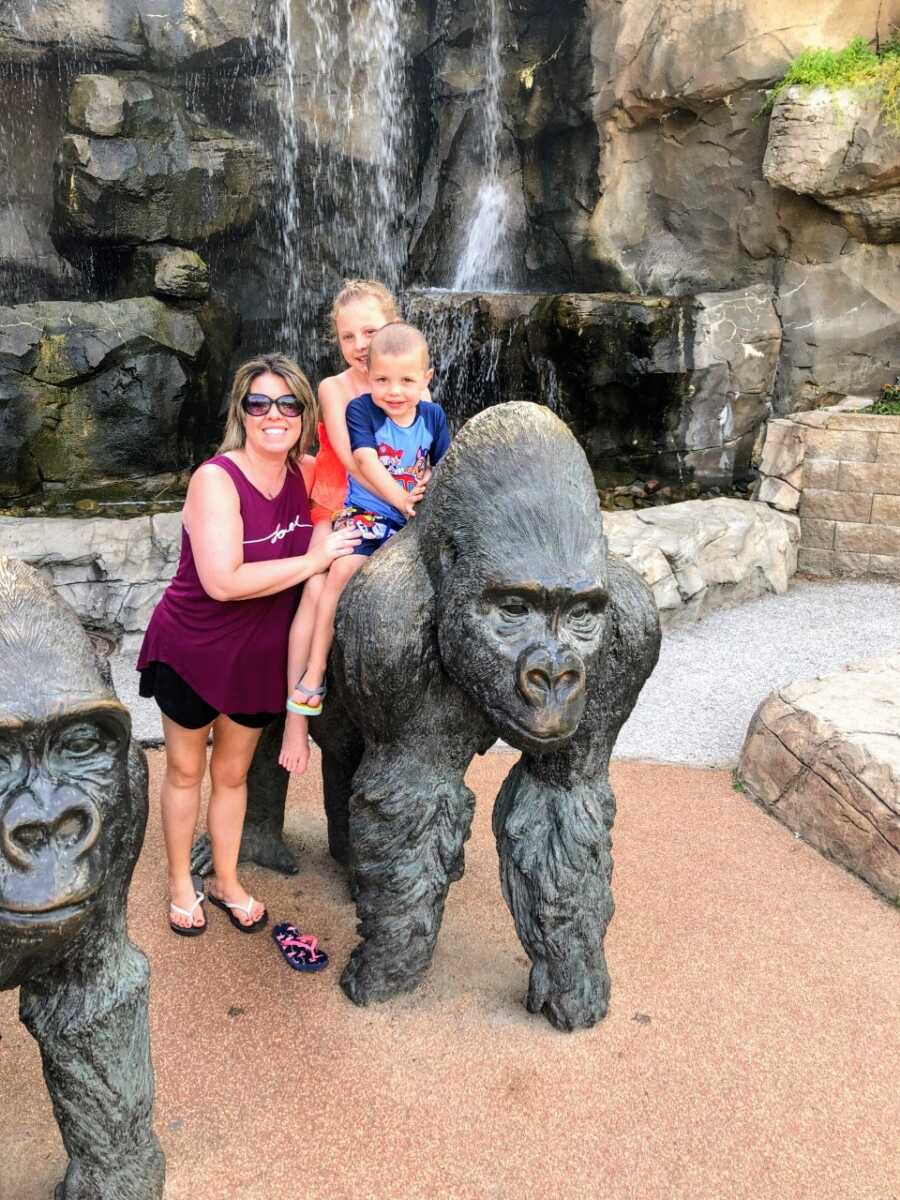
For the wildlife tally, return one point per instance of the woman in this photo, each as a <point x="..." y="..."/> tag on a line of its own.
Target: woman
<point x="215" y="652"/>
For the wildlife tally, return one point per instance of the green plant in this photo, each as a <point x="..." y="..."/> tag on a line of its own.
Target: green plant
<point x="857" y="65"/>
<point x="888" y="403"/>
<point x="737" y="783"/>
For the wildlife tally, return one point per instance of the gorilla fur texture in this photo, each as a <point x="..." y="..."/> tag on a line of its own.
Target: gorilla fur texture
<point x="494" y="613"/>
<point x="73" y="808"/>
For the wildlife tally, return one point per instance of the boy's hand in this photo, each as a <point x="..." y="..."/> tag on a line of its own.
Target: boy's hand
<point x="416" y="495"/>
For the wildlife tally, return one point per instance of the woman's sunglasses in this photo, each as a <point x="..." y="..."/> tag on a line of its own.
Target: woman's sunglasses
<point x="256" y="405"/>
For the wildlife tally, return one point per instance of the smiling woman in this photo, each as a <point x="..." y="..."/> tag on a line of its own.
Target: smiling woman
<point x="215" y="653"/>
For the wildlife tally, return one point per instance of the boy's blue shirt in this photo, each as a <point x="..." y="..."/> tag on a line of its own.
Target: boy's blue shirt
<point x="406" y="451"/>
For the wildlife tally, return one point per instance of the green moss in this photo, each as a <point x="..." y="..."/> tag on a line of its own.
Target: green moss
<point x="856" y="66"/>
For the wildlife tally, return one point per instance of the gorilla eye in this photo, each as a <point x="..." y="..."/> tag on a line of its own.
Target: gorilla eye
<point x="11" y="763"/>
<point x="584" y="616"/>
<point x="513" y="608"/>
<point x="84" y="744"/>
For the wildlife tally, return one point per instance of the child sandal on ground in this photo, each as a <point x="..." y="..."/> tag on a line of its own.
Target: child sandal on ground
<point x="301" y="951"/>
<point x="247" y="908"/>
<point x="306" y="710"/>
<point x="190" y="930"/>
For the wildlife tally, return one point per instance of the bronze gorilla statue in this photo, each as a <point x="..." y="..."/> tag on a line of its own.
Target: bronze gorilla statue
<point x="73" y="807"/>
<point x="494" y="613"/>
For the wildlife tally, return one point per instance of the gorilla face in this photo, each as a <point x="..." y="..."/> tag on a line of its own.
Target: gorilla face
<point x="60" y="780"/>
<point x="523" y="649"/>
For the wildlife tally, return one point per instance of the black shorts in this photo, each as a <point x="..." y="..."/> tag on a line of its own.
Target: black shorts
<point x="181" y="704"/>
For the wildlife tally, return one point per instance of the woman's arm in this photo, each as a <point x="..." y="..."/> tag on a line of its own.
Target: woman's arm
<point x="212" y="518"/>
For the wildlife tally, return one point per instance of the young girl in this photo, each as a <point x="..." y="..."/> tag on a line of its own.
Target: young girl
<point x="361" y="307"/>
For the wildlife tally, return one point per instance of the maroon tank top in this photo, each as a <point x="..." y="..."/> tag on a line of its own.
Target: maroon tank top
<point x="233" y="653"/>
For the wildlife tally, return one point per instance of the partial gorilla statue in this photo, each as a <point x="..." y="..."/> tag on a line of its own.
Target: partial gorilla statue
<point x="73" y="808"/>
<point x="495" y="613"/>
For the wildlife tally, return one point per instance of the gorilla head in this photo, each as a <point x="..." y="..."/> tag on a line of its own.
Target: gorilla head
<point x="72" y="792"/>
<point x="518" y="566"/>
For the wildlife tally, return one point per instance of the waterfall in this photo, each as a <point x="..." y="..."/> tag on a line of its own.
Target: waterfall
<point x="343" y="152"/>
<point x="482" y="265"/>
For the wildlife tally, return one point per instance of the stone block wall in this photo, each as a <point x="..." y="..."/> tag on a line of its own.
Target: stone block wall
<point x="839" y="468"/>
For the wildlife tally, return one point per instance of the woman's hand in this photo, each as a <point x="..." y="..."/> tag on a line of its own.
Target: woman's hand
<point x="336" y="545"/>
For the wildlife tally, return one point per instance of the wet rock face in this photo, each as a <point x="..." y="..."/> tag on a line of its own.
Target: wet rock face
<point x="837" y="148"/>
<point x="168" y="177"/>
<point x="175" y="32"/>
<point x="670" y="387"/>
<point x="97" y="392"/>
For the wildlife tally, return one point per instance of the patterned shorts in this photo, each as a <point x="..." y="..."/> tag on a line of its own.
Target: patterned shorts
<point x="373" y="528"/>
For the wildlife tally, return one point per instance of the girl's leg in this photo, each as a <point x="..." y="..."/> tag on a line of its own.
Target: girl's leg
<point x="180" y="795"/>
<point x="233" y="747"/>
<point x="295" y="743"/>
<point x="339" y="575"/>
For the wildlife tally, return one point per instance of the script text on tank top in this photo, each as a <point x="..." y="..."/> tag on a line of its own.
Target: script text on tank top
<point x="278" y="533"/>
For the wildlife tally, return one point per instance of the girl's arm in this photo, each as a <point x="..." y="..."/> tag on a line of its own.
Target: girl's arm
<point x="212" y="518"/>
<point x="333" y="407"/>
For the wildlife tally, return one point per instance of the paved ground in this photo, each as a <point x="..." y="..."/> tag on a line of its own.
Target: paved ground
<point x="752" y="1051"/>
<point x="711" y="676"/>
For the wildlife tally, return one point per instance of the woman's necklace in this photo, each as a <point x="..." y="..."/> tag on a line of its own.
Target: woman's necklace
<point x="269" y="492"/>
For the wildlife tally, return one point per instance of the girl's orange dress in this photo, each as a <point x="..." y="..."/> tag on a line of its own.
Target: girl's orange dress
<point x="329" y="487"/>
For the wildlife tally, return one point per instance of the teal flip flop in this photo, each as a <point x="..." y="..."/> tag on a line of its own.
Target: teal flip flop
<point x="306" y="710"/>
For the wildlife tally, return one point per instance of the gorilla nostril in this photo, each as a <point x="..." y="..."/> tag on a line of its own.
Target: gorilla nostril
<point x="78" y="828"/>
<point x="30" y="839"/>
<point x="538" y="683"/>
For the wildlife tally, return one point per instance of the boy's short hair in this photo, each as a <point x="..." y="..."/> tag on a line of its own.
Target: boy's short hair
<point x="399" y="338"/>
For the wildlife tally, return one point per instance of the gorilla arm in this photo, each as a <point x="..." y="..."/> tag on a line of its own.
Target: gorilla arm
<point x="410" y="811"/>
<point x="553" y="817"/>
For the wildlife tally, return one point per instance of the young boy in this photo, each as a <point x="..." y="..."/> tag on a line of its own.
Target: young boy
<point x="396" y="437"/>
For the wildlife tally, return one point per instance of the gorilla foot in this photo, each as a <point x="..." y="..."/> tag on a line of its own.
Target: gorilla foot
<point x="259" y="845"/>
<point x="365" y="983"/>
<point x="581" y="1005"/>
<point x="142" y="1177"/>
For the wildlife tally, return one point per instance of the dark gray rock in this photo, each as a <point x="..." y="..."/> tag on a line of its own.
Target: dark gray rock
<point x="94" y="391"/>
<point x="528" y="635"/>
<point x="74" y="807"/>
<point x="170" y="177"/>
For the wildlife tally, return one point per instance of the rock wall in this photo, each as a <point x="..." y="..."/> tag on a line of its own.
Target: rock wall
<point x="630" y="162"/>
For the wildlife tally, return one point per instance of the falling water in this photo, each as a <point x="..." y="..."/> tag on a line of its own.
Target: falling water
<point x="482" y="266"/>
<point x="342" y="153"/>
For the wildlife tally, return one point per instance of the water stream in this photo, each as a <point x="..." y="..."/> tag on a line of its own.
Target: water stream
<point x="342" y="153"/>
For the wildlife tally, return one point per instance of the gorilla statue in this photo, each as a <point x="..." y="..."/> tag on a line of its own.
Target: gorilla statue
<point x="494" y="613"/>
<point x="73" y="807"/>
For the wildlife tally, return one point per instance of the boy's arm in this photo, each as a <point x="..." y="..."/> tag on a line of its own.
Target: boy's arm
<point x="378" y="479"/>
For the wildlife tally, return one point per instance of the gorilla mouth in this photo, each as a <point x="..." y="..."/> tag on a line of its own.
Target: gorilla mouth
<point x="546" y="740"/>
<point x="47" y="916"/>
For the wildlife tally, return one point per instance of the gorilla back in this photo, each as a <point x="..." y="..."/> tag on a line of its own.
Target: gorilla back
<point x="494" y="613"/>
<point x="73" y="808"/>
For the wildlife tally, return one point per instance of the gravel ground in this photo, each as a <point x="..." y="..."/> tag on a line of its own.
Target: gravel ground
<point x="697" y="705"/>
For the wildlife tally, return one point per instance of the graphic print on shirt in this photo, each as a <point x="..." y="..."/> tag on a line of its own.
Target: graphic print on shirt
<point x="278" y="534"/>
<point x="393" y="459"/>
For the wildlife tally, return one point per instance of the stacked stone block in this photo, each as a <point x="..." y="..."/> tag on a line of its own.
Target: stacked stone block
<point x="840" y="470"/>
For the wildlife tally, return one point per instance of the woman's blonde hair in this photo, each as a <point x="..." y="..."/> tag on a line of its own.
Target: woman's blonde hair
<point x="297" y="384"/>
<point x="364" y="289"/>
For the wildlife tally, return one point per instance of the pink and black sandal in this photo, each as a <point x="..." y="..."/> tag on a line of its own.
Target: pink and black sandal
<point x="300" y="951"/>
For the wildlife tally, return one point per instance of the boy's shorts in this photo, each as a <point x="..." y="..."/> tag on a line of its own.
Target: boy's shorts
<point x="373" y="528"/>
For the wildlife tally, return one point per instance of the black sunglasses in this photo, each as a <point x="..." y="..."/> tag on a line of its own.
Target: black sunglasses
<point x="257" y="405"/>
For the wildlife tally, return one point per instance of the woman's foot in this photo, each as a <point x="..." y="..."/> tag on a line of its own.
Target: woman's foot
<point x="295" y="744"/>
<point x="185" y="911"/>
<point x="239" y="899"/>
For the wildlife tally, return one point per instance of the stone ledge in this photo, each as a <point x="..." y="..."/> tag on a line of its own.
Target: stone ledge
<point x="705" y="554"/>
<point x="823" y="756"/>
